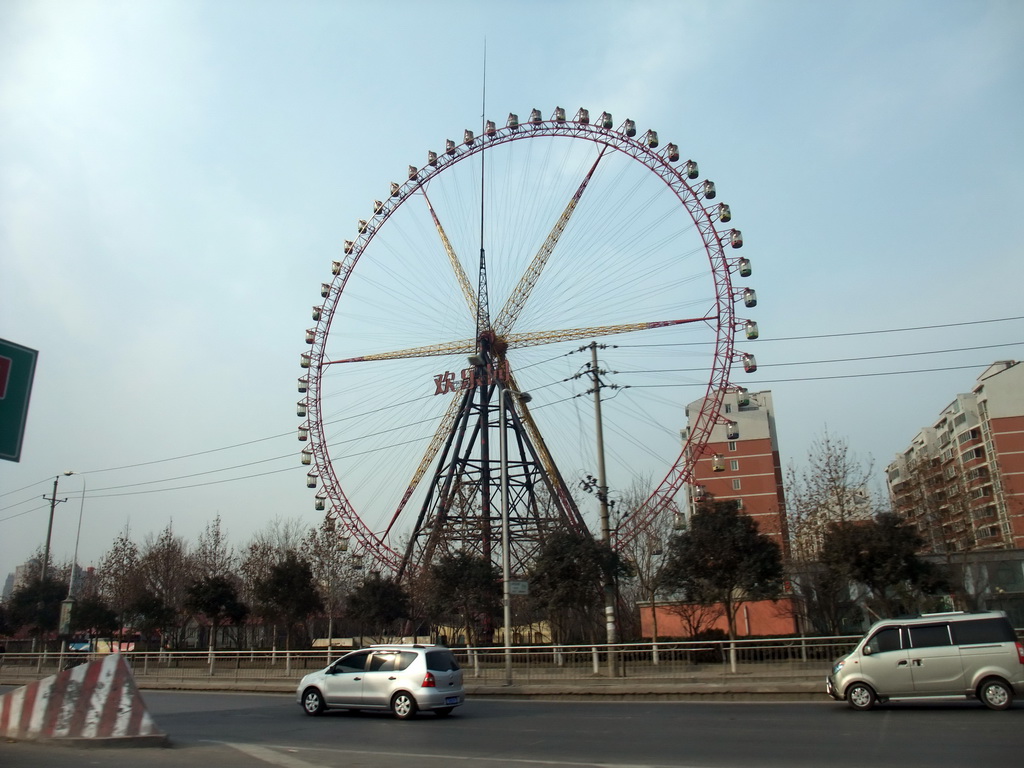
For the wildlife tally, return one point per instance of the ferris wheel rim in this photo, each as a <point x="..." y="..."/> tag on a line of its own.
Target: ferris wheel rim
<point x="419" y="178"/>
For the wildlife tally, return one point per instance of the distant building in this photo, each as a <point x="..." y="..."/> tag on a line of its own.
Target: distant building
<point x="961" y="480"/>
<point x="742" y="462"/>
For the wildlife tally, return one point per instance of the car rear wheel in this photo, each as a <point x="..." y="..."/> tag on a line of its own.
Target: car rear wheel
<point x="860" y="696"/>
<point x="313" y="702"/>
<point x="995" y="694"/>
<point x="403" y="705"/>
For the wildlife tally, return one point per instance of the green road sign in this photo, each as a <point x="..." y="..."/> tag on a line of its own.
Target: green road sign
<point x="17" y="367"/>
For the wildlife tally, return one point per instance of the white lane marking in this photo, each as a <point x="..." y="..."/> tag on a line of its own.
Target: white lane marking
<point x="269" y="755"/>
<point x="272" y="757"/>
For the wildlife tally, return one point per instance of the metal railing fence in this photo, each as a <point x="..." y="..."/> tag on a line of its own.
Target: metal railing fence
<point x="778" y="658"/>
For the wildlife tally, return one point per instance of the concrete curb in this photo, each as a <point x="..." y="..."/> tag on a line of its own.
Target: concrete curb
<point x="622" y="689"/>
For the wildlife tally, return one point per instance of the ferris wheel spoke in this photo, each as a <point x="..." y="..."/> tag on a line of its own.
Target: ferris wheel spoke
<point x="519" y="340"/>
<point x="538" y="338"/>
<point x="465" y="347"/>
<point x="514" y="306"/>
<point x="460" y="273"/>
<point x="444" y="428"/>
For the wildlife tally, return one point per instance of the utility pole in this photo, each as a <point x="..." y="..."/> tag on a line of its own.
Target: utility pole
<point x="54" y="501"/>
<point x="606" y="531"/>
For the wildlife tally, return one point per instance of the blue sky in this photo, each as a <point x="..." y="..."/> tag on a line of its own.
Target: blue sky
<point x="176" y="177"/>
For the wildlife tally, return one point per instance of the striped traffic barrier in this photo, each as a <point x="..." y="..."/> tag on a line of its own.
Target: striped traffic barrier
<point x="97" y="700"/>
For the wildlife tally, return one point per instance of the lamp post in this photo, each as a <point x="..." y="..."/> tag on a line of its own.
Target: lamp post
<point x="78" y="534"/>
<point x="68" y="605"/>
<point x="506" y="560"/>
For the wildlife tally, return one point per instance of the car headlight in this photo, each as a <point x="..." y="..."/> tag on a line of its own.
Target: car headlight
<point x="839" y="665"/>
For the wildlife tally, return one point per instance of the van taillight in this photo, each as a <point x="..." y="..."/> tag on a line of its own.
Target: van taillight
<point x="428" y="680"/>
<point x="1020" y="652"/>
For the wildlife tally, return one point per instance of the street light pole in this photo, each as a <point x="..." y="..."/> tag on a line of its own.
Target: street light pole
<point x="69" y="602"/>
<point x="78" y="534"/>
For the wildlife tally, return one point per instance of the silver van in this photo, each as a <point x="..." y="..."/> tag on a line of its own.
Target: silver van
<point x="976" y="655"/>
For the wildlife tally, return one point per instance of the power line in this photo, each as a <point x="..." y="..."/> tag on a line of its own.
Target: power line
<point x="837" y="335"/>
<point x="541" y="386"/>
<point x="826" y="378"/>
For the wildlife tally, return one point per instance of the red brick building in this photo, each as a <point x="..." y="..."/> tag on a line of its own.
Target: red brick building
<point x="742" y="462"/>
<point x="961" y="480"/>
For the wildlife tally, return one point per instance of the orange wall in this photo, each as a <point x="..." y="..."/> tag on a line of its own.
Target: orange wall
<point x="762" y="617"/>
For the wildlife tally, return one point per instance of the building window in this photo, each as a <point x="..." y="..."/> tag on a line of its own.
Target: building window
<point x="734" y="464"/>
<point x="736" y="484"/>
<point x="739" y="503"/>
<point x="732" y="445"/>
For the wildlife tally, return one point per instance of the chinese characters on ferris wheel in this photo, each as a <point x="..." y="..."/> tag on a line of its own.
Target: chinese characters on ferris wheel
<point x="470" y="377"/>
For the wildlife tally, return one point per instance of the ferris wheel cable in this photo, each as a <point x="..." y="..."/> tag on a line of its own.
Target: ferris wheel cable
<point x="509" y="314"/>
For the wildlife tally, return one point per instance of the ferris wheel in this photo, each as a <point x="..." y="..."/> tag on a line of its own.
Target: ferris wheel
<point x="450" y="375"/>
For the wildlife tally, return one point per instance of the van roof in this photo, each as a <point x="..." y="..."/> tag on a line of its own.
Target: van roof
<point x="926" y="618"/>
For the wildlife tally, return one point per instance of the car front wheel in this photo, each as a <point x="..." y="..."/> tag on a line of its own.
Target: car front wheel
<point x="312" y="702"/>
<point x="995" y="694"/>
<point x="403" y="705"/>
<point x="860" y="696"/>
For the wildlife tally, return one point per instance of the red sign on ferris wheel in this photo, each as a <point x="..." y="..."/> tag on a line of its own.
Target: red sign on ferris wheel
<point x="469" y="377"/>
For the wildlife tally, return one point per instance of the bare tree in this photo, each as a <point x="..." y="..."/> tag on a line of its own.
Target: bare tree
<point x="646" y="554"/>
<point x="327" y="554"/>
<point x="831" y="488"/>
<point x="166" y="572"/>
<point x="213" y="555"/>
<point x="119" y="577"/>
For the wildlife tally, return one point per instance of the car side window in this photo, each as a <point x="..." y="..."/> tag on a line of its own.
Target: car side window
<point x="929" y="635"/>
<point x="887" y="639"/>
<point x="403" y="659"/>
<point x="354" y="662"/>
<point x="382" y="662"/>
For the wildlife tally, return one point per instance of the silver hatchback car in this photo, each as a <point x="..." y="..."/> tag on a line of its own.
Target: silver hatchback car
<point x="402" y="678"/>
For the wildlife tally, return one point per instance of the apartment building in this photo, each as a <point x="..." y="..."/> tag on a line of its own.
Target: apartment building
<point x="961" y="480"/>
<point x="742" y="462"/>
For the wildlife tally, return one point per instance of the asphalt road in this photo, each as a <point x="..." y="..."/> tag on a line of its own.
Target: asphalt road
<point x="231" y="730"/>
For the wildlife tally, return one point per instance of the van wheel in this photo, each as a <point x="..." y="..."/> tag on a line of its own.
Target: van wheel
<point x="860" y="696"/>
<point x="995" y="694"/>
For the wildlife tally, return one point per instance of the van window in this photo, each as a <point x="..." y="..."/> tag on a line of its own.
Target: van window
<point x="887" y="639"/>
<point x="983" y="631"/>
<point x="929" y="635"/>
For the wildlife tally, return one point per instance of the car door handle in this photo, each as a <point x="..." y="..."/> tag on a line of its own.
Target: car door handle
<point x="902" y="663"/>
<point x="357" y="678"/>
<point x="392" y="677"/>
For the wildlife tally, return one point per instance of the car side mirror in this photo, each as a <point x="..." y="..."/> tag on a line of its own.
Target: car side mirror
<point x="866" y="650"/>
